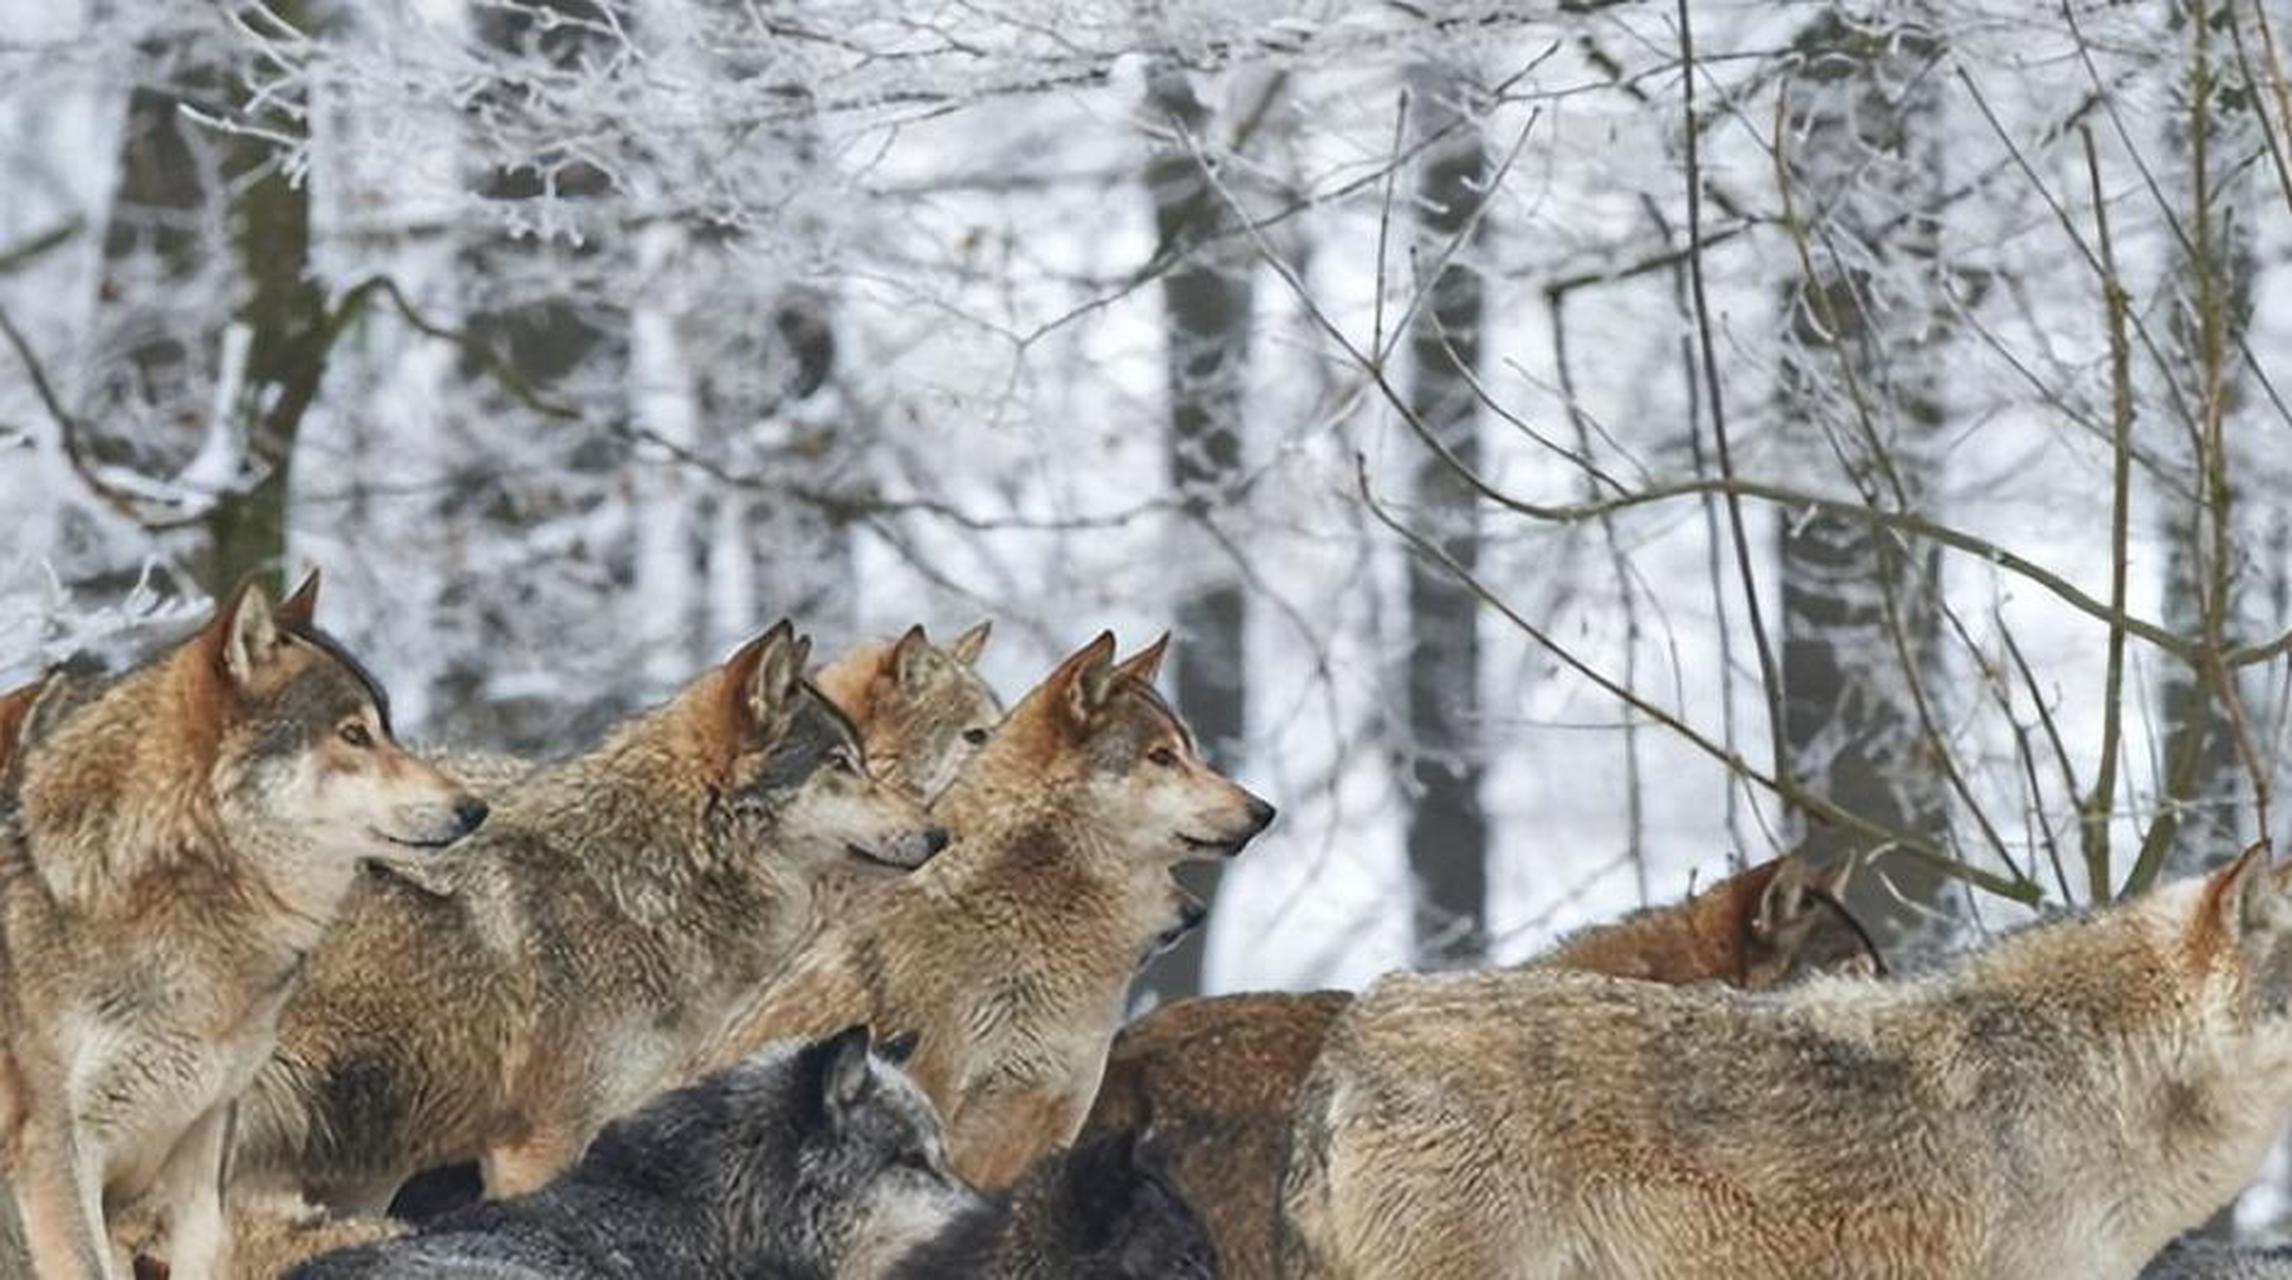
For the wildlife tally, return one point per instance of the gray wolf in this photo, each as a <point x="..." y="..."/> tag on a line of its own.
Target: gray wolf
<point x="2061" y="1103"/>
<point x="1105" y="1209"/>
<point x="183" y="836"/>
<point x="1217" y="1077"/>
<point x="2210" y="1260"/>
<point x="820" y="1160"/>
<point x="923" y="710"/>
<point x="609" y="916"/>
<point x="1010" y="954"/>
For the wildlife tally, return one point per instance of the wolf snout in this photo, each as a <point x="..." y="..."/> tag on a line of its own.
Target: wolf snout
<point x="434" y="826"/>
<point x="1260" y="814"/>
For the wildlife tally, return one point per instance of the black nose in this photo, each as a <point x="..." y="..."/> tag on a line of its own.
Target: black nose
<point x="934" y="839"/>
<point x="470" y="813"/>
<point x="1261" y="813"/>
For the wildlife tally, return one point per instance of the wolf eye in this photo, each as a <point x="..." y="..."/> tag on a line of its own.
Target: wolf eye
<point x="355" y="734"/>
<point x="1164" y="757"/>
<point x="975" y="736"/>
<point x="844" y="762"/>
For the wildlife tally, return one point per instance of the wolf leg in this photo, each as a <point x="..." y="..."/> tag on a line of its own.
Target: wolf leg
<point x="59" y="1201"/>
<point x="190" y="1186"/>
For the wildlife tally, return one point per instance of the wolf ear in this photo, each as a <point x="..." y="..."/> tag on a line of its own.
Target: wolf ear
<point x="2244" y="906"/>
<point x="1782" y="902"/>
<point x="1144" y="665"/>
<point x="249" y="633"/>
<point x="910" y="659"/>
<point x="15" y="718"/>
<point x="298" y="609"/>
<point x="1080" y="685"/>
<point x="837" y="1073"/>
<point x="766" y="674"/>
<point x="971" y="644"/>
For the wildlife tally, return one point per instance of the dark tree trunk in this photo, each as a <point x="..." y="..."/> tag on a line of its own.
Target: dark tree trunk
<point x="1861" y="386"/>
<point x="1448" y="829"/>
<point x="2203" y="820"/>
<point x="1206" y="294"/>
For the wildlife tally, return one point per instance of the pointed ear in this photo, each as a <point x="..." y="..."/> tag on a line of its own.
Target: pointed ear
<point x="1146" y="664"/>
<point x="2244" y="906"/>
<point x="297" y="610"/>
<point x="763" y="678"/>
<point x="15" y="717"/>
<point x="910" y="660"/>
<point x="971" y="644"/>
<point x="1781" y="902"/>
<point x="248" y="632"/>
<point x="1081" y="683"/>
<point x="836" y="1073"/>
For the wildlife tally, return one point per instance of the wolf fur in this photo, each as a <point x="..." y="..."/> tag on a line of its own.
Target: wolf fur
<point x="183" y="834"/>
<point x="2211" y="1260"/>
<point x="616" y="906"/>
<point x="1010" y="955"/>
<point x="2060" y="1104"/>
<point x="1106" y="1209"/>
<point x="815" y="1161"/>
<point x="1218" y="1076"/>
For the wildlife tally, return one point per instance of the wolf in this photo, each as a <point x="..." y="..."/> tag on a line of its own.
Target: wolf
<point x="1106" y="1209"/>
<point x="820" y="1160"/>
<point x="2208" y="1260"/>
<point x="182" y="836"/>
<point x="924" y="711"/>
<point x="607" y="919"/>
<point x="2061" y="1103"/>
<point x="1010" y="954"/>
<point x="1217" y="1076"/>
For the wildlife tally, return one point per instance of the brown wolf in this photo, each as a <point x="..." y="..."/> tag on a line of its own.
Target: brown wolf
<point x="1010" y="955"/>
<point x="2060" y="1104"/>
<point x="923" y="711"/>
<point x="1217" y="1076"/>
<point x="183" y="836"/>
<point x="613" y="910"/>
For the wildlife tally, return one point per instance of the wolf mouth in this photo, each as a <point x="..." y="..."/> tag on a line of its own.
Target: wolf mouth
<point x="865" y="854"/>
<point x="404" y="843"/>
<point x="1223" y="848"/>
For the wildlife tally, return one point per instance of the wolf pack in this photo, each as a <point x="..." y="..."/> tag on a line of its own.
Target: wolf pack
<point x="819" y="972"/>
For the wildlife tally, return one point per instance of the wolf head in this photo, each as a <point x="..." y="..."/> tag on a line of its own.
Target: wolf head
<point x="1121" y="1215"/>
<point x="1094" y="742"/>
<point x="2238" y="943"/>
<point x="923" y="711"/>
<point x="259" y="732"/>
<point x="789" y="761"/>
<point x="822" y="1158"/>
<point x="1794" y="923"/>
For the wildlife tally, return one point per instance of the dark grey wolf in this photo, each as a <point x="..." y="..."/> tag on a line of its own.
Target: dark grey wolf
<point x="813" y="1162"/>
<point x="1105" y="1210"/>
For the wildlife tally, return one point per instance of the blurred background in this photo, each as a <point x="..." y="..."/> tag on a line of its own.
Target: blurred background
<point x="1578" y="446"/>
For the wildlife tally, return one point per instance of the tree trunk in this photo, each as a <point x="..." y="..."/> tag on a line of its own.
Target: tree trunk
<point x="1208" y="299"/>
<point x="1861" y="385"/>
<point x="2203" y="819"/>
<point x="1447" y="827"/>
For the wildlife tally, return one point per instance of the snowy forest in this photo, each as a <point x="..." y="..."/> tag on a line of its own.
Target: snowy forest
<point x="1577" y="447"/>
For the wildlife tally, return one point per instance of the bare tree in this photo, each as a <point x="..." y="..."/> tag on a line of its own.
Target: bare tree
<point x="1208" y="298"/>
<point x="1447" y="826"/>
<point x="1861" y="393"/>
